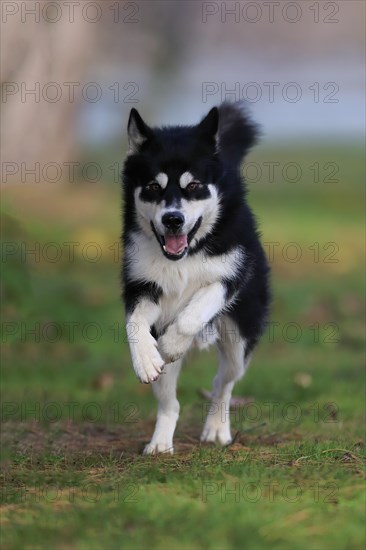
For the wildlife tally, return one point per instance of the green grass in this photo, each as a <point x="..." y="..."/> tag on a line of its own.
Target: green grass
<point x="75" y="419"/>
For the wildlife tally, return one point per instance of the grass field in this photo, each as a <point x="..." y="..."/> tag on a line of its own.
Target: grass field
<point x="75" y="419"/>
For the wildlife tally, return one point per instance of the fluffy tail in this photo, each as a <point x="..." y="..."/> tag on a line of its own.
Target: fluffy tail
<point x="237" y="132"/>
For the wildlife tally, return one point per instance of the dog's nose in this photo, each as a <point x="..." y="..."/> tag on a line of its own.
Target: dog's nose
<point x="173" y="220"/>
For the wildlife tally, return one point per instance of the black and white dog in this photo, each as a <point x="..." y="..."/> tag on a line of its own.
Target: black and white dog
<point x="194" y="270"/>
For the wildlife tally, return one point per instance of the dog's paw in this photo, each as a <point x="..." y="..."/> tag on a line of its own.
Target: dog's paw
<point x="173" y="345"/>
<point x="147" y="361"/>
<point x="216" y="431"/>
<point x="158" y="447"/>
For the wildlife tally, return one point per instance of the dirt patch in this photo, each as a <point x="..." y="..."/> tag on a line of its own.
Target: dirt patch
<point x="87" y="439"/>
<point x="71" y="438"/>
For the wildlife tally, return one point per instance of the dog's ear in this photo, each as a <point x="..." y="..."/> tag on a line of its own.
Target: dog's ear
<point x="208" y="127"/>
<point x="138" y="132"/>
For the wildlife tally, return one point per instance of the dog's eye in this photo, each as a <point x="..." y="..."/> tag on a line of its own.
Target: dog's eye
<point x="153" y="186"/>
<point x="192" y="186"/>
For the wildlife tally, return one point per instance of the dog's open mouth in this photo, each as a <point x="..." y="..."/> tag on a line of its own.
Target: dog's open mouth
<point x="175" y="246"/>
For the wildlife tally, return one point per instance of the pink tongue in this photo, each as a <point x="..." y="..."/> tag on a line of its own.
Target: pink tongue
<point x="175" y="244"/>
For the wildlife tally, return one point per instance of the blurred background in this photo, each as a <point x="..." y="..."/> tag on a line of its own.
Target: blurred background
<point x="71" y="72"/>
<point x="70" y="75"/>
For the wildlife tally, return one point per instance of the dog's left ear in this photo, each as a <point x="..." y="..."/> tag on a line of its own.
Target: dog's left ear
<point x="138" y="132"/>
<point x="208" y="127"/>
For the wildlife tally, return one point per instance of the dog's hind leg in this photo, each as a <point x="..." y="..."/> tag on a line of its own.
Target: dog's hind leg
<point x="168" y="410"/>
<point x="232" y="365"/>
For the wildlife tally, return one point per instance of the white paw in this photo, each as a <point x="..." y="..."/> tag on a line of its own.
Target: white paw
<point x="154" y="448"/>
<point x="146" y="359"/>
<point x="173" y="345"/>
<point x="215" y="430"/>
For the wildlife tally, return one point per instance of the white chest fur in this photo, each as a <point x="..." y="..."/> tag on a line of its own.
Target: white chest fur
<point x="179" y="280"/>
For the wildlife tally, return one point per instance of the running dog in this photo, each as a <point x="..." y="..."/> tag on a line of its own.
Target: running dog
<point x="194" y="271"/>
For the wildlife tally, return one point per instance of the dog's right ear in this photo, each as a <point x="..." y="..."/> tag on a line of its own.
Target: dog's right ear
<point x="138" y="132"/>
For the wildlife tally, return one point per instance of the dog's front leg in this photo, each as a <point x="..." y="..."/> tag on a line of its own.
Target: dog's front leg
<point x="203" y="306"/>
<point x="146" y="359"/>
<point x="168" y="411"/>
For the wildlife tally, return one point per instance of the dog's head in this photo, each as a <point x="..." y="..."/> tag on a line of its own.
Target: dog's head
<point x="172" y="177"/>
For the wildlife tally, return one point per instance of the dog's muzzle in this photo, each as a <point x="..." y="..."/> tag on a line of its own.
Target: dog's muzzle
<point x="174" y="243"/>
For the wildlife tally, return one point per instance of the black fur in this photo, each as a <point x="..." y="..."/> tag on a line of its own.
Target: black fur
<point x="212" y="151"/>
